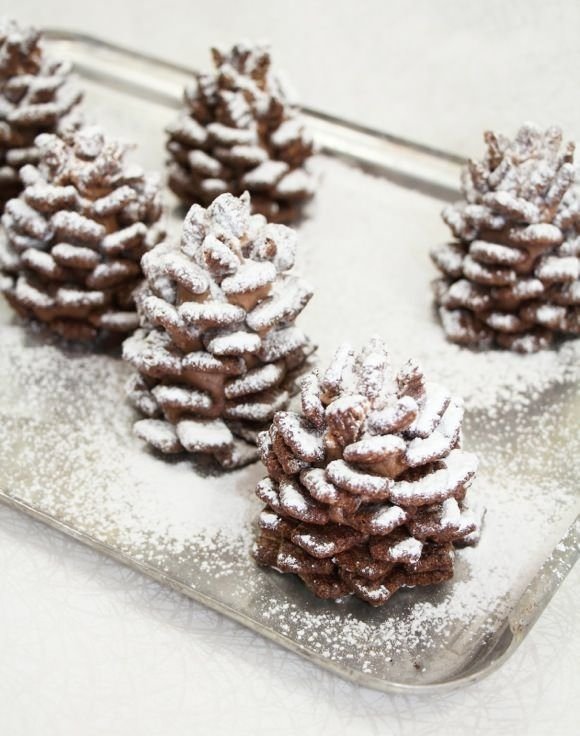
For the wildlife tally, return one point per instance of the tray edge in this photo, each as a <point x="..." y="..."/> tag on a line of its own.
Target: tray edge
<point x="520" y="621"/>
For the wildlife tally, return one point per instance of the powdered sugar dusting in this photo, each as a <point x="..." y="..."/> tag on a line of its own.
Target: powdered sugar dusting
<point x="388" y="292"/>
<point x="81" y="462"/>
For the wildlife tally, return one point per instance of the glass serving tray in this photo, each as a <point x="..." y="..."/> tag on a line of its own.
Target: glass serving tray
<point x="68" y="458"/>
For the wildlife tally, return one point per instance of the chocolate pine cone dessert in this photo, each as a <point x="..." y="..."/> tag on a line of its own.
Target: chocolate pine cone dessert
<point x="219" y="349"/>
<point x="238" y="132"/>
<point x="76" y="234"/>
<point x="511" y="277"/>
<point x="36" y="96"/>
<point x="366" y="485"/>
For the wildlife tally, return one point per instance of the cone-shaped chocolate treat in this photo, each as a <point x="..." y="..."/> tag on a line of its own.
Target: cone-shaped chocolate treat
<point x="511" y="278"/>
<point x="76" y="234"/>
<point x="239" y="132"/>
<point x="36" y="96"/>
<point x="366" y="485"/>
<point x="219" y="348"/>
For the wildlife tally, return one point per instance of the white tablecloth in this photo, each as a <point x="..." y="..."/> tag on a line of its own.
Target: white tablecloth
<point x="89" y="647"/>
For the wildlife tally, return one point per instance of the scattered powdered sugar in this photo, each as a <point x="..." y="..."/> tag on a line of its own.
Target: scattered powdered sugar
<point x="459" y="468"/>
<point x="205" y="164"/>
<point x="436" y="401"/>
<point x="440" y="441"/>
<point x="249" y="276"/>
<point x="254" y="381"/>
<point x="265" y="174"/>
<point x="365" y="251"/>
<point x="387" y="519"/>
<point x="234" y="343"/>
<point x="301" y="440"/>
<point x="290" y="130"/>
<point x="355" y="481"/>
<point x="231" y="136"/>
<point x="66" y="448"/>
<point x="65" y="423"/>
<point x="552" y="268"/>
<point x="293" y="499"/>
<point x="295" y="182"/>
<point x="409" y="548"/>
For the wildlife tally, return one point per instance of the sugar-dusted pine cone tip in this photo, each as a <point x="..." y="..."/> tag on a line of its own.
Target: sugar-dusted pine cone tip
<point x="219" y="350"/>
<point x="511" y="279"/>
<point x="239" y="132"/>
<point x="76" y="234"/>
<point x="366" y="487"/>
<point x="36" y="96"/>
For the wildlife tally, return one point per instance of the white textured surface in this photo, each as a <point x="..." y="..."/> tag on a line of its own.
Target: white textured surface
<point x="89" y="647"/>
<point x="439" y="72"/>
